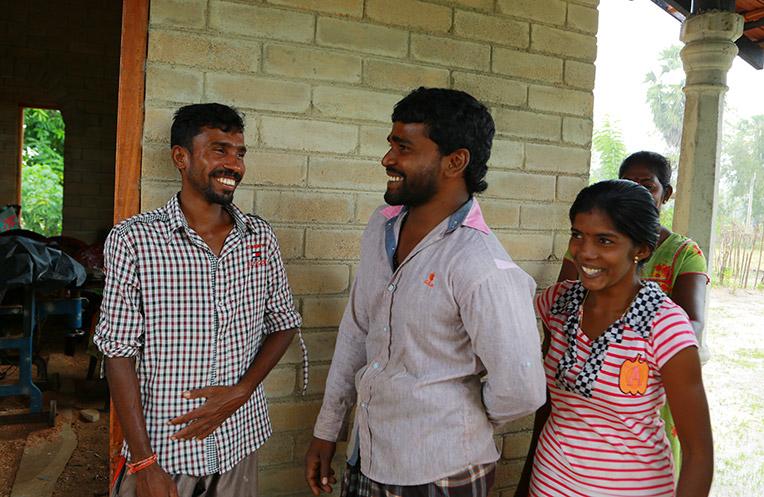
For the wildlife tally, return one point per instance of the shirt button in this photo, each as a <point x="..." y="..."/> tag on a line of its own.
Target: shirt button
<point x="386" y="328"/>
<point x="364" y="405"/>
<point x="375" y="365"/>
<point x="391" y="287"/>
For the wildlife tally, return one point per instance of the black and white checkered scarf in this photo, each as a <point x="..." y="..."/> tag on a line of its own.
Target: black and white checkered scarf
<point x="639" y="317"/>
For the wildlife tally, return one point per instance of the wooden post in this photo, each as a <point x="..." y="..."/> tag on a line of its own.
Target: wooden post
<point x="750" y="256"/>
<point x="756" y="279"/>
<point x="130" y="113"/>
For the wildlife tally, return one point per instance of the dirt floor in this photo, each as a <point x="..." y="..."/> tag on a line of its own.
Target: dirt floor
<point x="86" y="474"/>
<point x="733" y="378"/>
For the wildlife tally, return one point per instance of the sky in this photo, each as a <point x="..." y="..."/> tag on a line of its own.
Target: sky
<point x="631" y="35"/>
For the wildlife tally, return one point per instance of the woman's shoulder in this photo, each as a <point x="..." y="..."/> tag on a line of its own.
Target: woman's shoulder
<point x="670" y="318"/>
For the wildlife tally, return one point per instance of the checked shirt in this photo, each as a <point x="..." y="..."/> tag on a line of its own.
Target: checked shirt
<point x="192" y="320"/>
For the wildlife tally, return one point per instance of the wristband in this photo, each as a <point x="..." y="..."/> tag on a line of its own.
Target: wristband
<point x="140" y="465"/>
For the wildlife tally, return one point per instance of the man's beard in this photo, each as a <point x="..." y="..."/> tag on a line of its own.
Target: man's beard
<point x="213" y="197"/>
<point x="419" y="191"/>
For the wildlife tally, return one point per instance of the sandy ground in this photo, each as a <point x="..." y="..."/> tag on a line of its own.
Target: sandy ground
<point x="86" y="474"/>
<point x="733" y="379"/>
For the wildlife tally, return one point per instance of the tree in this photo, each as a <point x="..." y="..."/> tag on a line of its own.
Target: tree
<point x="742" y="171"/>
<point x="610" y="150"/>
<point x="666" y="99"/>
<point x="42" y="171"/>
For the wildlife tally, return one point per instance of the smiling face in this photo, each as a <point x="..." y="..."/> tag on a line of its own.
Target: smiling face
<point x="413" y="165"/>
<point x="215" y="165"/>
<point x="644" y="175"/>
<point x="603" y="256"/>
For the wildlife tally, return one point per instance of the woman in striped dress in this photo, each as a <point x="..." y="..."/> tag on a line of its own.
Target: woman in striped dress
<point x="616" y="348"/>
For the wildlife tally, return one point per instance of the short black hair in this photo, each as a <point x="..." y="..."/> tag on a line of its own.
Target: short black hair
<point x="453" y="119"/>
<point x="630" y="207"/>
<point x="659" y="165"/>
<point x="190" y="119"/>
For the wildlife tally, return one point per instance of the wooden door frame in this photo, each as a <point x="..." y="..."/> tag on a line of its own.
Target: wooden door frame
<point x="130" y="114"/>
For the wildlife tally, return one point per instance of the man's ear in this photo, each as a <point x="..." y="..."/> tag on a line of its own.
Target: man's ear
<point x="180" y="157"/>
<point x="667" y="192"/>
<point x="456" y="162"/>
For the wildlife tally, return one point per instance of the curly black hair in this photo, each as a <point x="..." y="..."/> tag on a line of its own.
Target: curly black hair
<point x="453" y="119"/>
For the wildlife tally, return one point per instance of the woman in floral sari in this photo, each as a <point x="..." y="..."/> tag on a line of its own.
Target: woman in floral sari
<point x="677" y="264"/>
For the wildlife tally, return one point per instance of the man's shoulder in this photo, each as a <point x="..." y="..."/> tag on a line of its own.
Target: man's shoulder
<point x="483" y="254"/>
<point x="257" y="223"/>
<point x="156" y="219"/>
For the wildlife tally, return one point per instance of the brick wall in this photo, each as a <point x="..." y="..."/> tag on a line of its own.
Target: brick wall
<point x="317" y="80"/>
<point x="64" y="55"/>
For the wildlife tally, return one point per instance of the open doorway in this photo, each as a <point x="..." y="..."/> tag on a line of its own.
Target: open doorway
<point x="58" y="119"/>
<point x="42" y="170"/>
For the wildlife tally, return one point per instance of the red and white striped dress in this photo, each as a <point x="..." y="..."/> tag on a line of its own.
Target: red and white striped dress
<point x="612" y="444"/>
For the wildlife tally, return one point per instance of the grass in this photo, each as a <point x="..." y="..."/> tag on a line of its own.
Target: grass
<point x="733" y="378"/>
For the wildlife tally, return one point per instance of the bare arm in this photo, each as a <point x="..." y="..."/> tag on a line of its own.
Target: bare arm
<point x="123" y="384"/>
<point x="689" y="293"/>
<point x="567" y="271"/>
<point x="687" y="398"/>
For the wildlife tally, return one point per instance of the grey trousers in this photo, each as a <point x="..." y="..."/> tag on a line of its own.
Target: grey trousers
<point x="241" y="481"/>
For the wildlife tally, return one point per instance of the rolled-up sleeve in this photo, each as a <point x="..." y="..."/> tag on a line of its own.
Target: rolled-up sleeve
<point x="499" y="318"/>
<point x="349" y="357"/>
<point x="120" y="328"/>
<point x="280" y="313"/>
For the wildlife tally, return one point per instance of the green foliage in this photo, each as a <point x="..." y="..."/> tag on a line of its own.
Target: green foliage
<point x="610" y="149"/>
<point x="665" y="97"/>
<point x="42" y="171"/>
<point x="742" y="167"/>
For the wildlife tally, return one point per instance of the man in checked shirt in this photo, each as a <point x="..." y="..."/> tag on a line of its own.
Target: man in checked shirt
<point x="438" y="344"/>
<point x="196" y="312"/>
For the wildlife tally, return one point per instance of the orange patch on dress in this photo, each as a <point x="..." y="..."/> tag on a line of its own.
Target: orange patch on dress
<point x="633" y="376"/>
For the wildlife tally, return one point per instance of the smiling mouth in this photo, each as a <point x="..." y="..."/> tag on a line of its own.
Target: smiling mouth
<point x="226" y="181"/>
<point x="393" y="178"/>
<point x="591" y="271"/>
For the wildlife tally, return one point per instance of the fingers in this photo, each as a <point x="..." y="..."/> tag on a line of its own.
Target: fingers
<point x="197" y="429"/>
<point x="311" y="473"/>
<point x="199" y="393"/>
<point x="327" y="473"/>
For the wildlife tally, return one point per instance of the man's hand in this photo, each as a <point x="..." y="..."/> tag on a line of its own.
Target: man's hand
<point x="318" y="466"/>
<point x="154" y="482"/>
<point x="222" y="402"/>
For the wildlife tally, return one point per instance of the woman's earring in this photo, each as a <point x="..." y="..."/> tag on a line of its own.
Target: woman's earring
<point x="636" y="260"/>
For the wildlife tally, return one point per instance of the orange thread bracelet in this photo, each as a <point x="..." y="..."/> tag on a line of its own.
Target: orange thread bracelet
<point x="140" y="465"/>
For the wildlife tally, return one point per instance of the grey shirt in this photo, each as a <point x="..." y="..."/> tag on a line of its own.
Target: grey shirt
<point x="436" y="353"/>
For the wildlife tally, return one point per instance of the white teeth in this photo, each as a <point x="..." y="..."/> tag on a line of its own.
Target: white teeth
<point x="395" y="179"/>
<point x="590" y="271"/>
<point x="227" y="181"/>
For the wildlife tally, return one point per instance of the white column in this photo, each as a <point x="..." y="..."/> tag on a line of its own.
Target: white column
<point x="707" y="56"/>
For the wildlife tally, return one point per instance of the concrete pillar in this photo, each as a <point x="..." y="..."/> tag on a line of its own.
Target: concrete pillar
<point x="707" y="56"/>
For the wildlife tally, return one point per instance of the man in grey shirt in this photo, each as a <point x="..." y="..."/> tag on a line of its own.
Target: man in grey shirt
<point x="438" y="344"/>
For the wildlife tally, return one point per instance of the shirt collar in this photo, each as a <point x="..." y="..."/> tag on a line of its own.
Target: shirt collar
<point x="468" y="215"/>
<point x="178" y="220"/>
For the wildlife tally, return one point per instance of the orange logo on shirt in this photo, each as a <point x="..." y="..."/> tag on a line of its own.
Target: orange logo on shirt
<point x="430" y="280"/>
<point x="633" y="377"/>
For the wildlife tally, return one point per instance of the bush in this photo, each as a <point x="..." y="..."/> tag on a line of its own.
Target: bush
<point x="42" y="171"/>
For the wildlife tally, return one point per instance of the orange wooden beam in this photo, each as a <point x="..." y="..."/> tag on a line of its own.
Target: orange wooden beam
<point x="753" y="15"/>
<point x="130" y="113"/>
